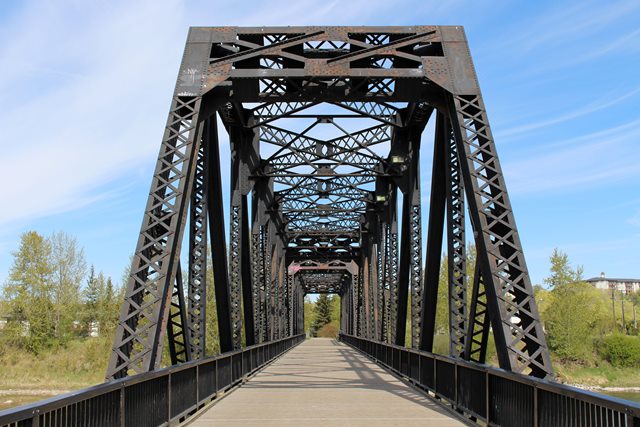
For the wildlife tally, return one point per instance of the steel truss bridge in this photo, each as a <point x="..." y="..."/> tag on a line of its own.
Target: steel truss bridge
<point x="325" y="126"/>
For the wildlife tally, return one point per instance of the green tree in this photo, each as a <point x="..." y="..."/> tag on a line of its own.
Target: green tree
<point x="335" y="311"/>
<point x="322" y="313"/>
<point x="635" y="301"/>
<point x="109" y="308"/>
<point x="68" y="269"/>
<point x="561" y="271"/>
<point x="575" y="313"/>
<point x="91" y="296"/>
<point x="29" y="293"/>
<point x="100" y="302"/>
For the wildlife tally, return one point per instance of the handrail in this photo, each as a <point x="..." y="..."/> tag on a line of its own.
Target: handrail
<point x="176" y="391"/>
<point x="496" y="396"/>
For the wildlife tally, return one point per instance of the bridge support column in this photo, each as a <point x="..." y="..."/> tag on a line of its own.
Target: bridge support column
<point x="393" y="266"/>
<point x="155" y="262"/>
<point x="217" y="235"/>
<point x="197" y="285"/>
<point x="238" y="240"/>
<point x="456" y="249"/>
<point x="520" y="341"/>
<point x="410" y="276"/>
<point x="434" y="234"/>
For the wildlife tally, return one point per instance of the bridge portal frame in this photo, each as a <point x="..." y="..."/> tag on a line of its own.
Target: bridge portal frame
<point x="250" y="77"/>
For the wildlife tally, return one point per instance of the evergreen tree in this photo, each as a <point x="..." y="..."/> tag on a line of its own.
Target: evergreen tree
<point x="91" y="296"/>
<point x="322" y="313"/>
<point x="108" y="309"/>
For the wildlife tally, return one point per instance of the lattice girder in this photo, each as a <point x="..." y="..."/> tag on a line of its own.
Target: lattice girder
<point x="325" y="128"/>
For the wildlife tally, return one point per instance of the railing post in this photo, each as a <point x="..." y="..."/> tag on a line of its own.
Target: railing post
<point x="455" y="385"/>
<point x="435" y="376"/>
<point x="420" y="371"/>
<point x="122" y="406"/>
<point x="35" y="421"/>
<point x="487" y="396"/>
<point x="535" y="406"/>
<point x="169" y="398"/>
<point x="197" y="386"/>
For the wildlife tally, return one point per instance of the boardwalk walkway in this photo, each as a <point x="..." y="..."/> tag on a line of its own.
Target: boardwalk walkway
<point x="325" y="383"/>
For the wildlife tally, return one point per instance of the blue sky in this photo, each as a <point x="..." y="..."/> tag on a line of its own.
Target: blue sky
<point x="85" y="89"/>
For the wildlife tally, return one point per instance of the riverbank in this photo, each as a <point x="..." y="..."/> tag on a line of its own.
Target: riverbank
<point x="78" y="365"/>
<point x="606" y="390"/>
<point x="603" y="378"/>
<point x="26" y="378"/>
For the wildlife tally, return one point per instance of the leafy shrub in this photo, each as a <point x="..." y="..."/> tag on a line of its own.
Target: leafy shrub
<point x="328" y="331"/>
<point x="621" y="350"/>
<point x="574" y="316"/>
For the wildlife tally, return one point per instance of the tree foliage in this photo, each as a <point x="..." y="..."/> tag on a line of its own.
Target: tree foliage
<point x="101" y="303"/>
<point x="621" y="350"/>
<point x="29" y="292"/>
<point x="68" y="269"/>
<point x="43" y="296"/>
<point x="575" y="313"/>
<point x="322" y="313"/>
<point x="561" y="271"/>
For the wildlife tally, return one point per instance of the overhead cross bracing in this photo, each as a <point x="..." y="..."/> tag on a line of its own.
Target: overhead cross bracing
<point x="325" y="128"/>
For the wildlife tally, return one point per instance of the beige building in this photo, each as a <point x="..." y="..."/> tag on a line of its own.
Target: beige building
<point x="624" y="285"/>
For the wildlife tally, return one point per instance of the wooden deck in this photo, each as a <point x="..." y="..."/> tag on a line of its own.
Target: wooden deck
<point x="325" y="383"/>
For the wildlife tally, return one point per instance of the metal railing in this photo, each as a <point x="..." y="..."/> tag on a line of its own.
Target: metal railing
<point x="151" y="399"/>
<point x="499" y="397"/>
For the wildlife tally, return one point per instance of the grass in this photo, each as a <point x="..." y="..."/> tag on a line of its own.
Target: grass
<point x="80" y="364"/>
<point x="604" y="375"/>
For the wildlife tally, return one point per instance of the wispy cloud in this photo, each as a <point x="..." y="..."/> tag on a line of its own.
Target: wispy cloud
<point x="594" y="159"/>
<point x="565" y="24"/>
<point x="600" y="104"/>
<point x="87" y="88"/>
<point x="77" y="134"/>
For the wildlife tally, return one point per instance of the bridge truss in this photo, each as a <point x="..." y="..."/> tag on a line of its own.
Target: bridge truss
<point x="324" y="128"/>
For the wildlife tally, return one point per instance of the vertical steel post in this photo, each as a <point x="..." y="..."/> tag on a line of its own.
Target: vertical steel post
<point x="197" y="285"/>
<point x="217" y="238"/>
<point x="434" y="235"/>
<point x="456" y="249"/>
